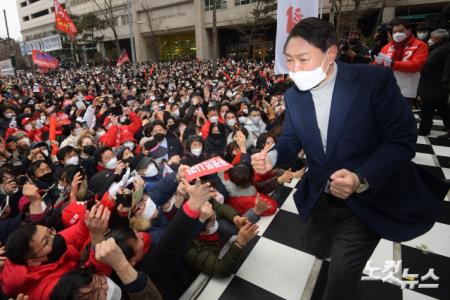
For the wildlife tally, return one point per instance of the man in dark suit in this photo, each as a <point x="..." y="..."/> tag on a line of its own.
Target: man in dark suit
<point x="359" y="136"/>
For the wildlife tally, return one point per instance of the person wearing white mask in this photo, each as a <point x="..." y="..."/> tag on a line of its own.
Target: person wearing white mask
<point x="359" y="136"/>
<point x="68" y="156"/>
<point x="255" y="125"/>
<point x="405" y="55"/>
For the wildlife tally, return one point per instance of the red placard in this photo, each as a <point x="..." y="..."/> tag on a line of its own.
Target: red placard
<point x="52" y="130"/>
<point x="210" y="166"/>
<point x="44" y="60"/>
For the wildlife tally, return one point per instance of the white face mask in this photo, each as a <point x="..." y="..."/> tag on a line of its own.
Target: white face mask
<point x="196" y="151"/>
<point x="28" y="127"/>
<point x="306" y="80"/>
<point x="231" y="122"/>
<point x="399" y="37"/>
<point x="129" y="145"/>
<point x="430" y="42"/>
<point x="422" y="35"/>
<point x="245" y="110"/>
<point x="150" y="208"/>
<point x="176" y="113"/>
<point x="213" y="229"/>
<point x="242" y="120"/>
<point x="77" y="131"/>
<point x="9" y="115"/>
<point x="73" y="161"/>
<point x="214" y="119"/>
<point x="151" y="171"/>
<point x="114" y="292"/>
<point x="111" y="164"/>
<point x="256" y="120"/>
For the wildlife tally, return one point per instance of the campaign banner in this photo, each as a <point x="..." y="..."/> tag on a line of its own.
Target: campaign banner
<point x="6" y="68"/>
<point x="289" y="13"/>
<point x="46" y="44"/>
<point x="44" y="60"/>
<point x="123" y="58"/>
<point x="210" y="166"/>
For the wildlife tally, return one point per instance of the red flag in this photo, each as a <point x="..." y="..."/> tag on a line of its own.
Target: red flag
<point x="44" y="60"/>
<point x="63" y="21"/>
<point x="123" y="58"/>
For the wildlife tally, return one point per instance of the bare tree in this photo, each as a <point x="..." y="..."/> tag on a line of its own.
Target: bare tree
<point x="263" y="15"/>
<point x="106" y="8"/>
<point x="154" y="40"/>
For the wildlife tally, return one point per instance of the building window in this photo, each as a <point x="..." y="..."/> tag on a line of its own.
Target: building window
<point x="26" y="18"/>
<point x="243" y="2"/>
<point x="178" y="46"/>
<point x="23" y="4"/>
<point x="116" y="21"/>
<point x="219" y="4"/>
<point x="32" y="1"/>
<point x="124" y="19"/>
<point x="52" y="9"/>
<point x="40" y="14"/>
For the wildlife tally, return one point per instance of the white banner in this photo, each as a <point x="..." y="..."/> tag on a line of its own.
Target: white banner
<point x="6" y="68"/>
<point x="46" y="44"/>
<point x="289" y="13"/>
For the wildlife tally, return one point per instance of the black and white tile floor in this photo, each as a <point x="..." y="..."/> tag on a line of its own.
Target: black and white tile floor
<point x="275" y="268"/>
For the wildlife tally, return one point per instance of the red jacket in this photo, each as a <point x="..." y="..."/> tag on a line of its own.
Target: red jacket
<point x="39" y="281"/>
<point x="415" y="53"/>
<point x="112" y="136"/>
<point x="407" y="70"/>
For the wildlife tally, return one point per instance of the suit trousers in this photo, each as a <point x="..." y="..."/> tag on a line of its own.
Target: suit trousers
<point x="332" y="230"/>
<point x="428" y="107"/>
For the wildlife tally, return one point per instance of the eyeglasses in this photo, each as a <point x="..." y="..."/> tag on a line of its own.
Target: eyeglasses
<point x="48" y="241"/>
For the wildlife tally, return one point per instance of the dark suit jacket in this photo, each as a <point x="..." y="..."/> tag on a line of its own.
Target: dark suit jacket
<point x="371" y="132"/>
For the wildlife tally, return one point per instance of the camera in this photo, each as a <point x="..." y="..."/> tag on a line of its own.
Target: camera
<point x="125" y="198"/>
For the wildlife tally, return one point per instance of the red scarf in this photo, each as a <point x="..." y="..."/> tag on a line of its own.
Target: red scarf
<point x="399" y="48"/>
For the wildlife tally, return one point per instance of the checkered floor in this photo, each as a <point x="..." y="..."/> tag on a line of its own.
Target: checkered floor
<point x="275" y="268"/>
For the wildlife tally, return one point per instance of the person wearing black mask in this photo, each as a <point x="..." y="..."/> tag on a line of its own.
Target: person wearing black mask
<point x="87" y="156"/>
<point x="42" y="174"/>
<point x="217" y="141"/>
<point x="166" y="139"/>
<point x="40" y="253"/>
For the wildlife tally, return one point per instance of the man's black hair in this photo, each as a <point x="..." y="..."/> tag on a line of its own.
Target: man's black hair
<point x="17" y="246"/>
<point x="99" y="153"/>
<point x="241" y="175"/>
<point x="398" y="22"/>
<point x="64" y="151"/>
<point x="123" y="237"/>
<point x="70" y="283"/>
<point x="317" y="32"/>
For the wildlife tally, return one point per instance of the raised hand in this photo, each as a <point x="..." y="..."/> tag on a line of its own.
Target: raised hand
<point x="247" y="233"/>
<point x="97" y="222"/>
<point x="261" y="162"/>
<point x="198" y="193"/>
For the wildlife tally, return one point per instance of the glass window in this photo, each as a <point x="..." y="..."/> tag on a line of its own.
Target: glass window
<point x="178" y="46"/>
<point x="243" y="2"/>
<point x="219" y="4"/>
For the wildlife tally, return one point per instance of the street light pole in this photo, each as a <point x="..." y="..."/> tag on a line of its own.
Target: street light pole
<point x="130" y="28"/>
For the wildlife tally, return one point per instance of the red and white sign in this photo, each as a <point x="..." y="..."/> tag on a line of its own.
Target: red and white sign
<point x="289" y="13"/>
<point x="210" y="166"/>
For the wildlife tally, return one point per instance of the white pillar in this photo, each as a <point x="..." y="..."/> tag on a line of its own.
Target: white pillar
<point x="203" y="41"/>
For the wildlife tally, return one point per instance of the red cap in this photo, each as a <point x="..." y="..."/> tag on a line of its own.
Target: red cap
<point x="26" y="120"/>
